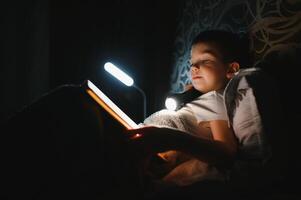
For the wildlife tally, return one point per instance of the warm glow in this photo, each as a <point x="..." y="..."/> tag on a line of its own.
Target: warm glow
<point x="171" y="104"/>
<point x="119" y="74"/>
<point x="136" y="135"/>
<point x="110" y="107"/>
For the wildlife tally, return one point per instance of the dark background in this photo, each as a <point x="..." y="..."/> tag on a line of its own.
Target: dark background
<point x="47" y="43"/>
<point x="50" y="43"/>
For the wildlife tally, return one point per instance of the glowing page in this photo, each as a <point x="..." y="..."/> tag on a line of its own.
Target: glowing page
<point x="109" y="106"/>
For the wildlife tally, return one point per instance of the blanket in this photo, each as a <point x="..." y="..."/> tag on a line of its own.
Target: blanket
<point x="183" y="169"/>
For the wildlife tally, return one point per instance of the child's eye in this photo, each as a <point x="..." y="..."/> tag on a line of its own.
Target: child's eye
<point x="207" y="62"/>
<point x="201" y="63"/>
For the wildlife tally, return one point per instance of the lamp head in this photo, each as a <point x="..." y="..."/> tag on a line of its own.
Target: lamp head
<point x="171" y="103"/>
<point x="119" y="74"/>
<point x="175" y="101"/>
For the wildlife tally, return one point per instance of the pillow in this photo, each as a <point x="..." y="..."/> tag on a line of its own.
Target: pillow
<point x="182" y="169"/>
<point x="247" y="99"/>
<point x="244" y="116"/>
<point x="251" y="103"/>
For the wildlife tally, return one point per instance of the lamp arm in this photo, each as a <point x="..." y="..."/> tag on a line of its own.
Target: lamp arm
<point x="144" y="99"/>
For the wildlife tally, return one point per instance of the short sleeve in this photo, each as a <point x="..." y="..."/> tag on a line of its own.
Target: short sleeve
<point x="208" y="107"/>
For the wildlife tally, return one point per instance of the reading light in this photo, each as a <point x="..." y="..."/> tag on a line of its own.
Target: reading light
<point x="126" y="79"/>
<point x="171" y="104"/>
<point x="176" y="100"/>
<point x="119" y="74"/>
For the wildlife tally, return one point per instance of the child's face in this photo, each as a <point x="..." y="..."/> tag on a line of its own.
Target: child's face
<point x="208" y="71"/>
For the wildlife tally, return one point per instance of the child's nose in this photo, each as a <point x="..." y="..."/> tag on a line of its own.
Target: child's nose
<point x="194" y="69"/>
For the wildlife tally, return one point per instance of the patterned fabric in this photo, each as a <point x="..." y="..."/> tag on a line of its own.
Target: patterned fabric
<point x="273" y="26"/>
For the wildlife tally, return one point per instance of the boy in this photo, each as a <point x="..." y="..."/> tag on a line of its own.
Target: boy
<point x="215" y="58"/>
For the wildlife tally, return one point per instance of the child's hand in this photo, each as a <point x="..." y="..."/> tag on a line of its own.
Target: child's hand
<point x="149" y="140"/>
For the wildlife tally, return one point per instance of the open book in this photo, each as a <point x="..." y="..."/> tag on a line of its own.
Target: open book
<point x="104" y="101"/>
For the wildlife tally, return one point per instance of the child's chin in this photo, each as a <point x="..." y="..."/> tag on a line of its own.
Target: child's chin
<point x="200" y="89"/>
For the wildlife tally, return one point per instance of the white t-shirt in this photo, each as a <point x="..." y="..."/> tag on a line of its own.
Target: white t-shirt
<point x="207" y="107"/>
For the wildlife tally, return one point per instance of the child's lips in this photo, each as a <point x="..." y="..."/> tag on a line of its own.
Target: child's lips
<point x="196" y="77"/>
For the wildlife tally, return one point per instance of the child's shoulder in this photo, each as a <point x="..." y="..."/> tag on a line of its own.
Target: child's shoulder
<point x="212" y="95"/>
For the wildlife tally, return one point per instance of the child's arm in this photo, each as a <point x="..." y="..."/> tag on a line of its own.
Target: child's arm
<point x="222" y="133"/>
<point x="220" y="151"/>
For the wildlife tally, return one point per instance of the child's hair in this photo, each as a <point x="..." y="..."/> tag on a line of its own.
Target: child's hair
<point x="232" y="46"/>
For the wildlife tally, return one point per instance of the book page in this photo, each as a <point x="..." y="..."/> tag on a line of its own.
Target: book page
<point x="109" y="106"/>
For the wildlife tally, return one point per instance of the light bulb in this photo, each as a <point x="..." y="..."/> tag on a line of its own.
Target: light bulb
<point x="171" y="104"/>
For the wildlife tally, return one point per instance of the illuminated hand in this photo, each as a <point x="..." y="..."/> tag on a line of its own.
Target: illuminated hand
<point x="150" y="140"/>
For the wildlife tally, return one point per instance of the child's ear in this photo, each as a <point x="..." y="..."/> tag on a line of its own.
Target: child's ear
<point x="232" y="69"/>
